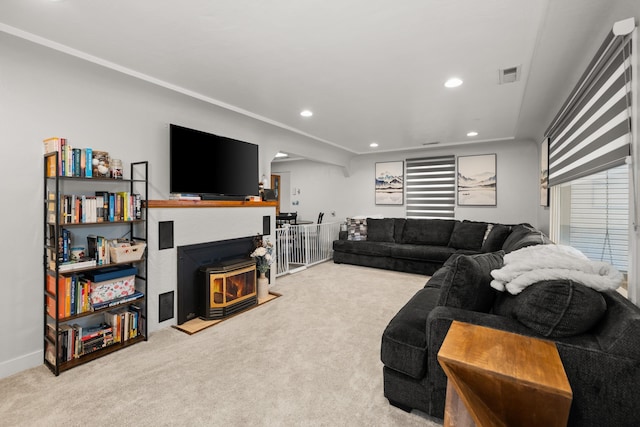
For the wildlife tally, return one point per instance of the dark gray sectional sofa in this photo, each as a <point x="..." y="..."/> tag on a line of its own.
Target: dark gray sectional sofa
<point x="422" y="246"/>
<point x="597" y="333"/>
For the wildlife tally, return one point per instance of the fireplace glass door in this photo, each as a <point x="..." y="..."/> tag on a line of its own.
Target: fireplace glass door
<point x="228" y="290"/>
<point x="233" y="287"/>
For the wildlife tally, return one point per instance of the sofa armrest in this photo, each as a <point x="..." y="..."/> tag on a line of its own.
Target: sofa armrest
<point x="438" y="323"/>
<point x="343" y="235"/>
<point x="602" y="383"/>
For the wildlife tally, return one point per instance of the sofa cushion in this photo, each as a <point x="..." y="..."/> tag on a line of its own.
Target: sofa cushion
<point x="380" y="230"/>
<point x="435" y="232"/>
<point x="467" y="284"/>
<point x="363" y="247"/>
<point x="496" y="237"/>
<point x="468" y="235"/>
<point x="356" y="229"/>
<point x="523" y="235"/>
<point x="438" y="277"/>
<point x="398" y="229"/>
<point x="554" y="308"/>
<point x="422" y="252"/>
<point x="404" y="340"/>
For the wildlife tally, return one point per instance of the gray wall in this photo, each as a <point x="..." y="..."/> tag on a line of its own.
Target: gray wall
<point x="46" y="93"/>
<point x="325" y="188"/>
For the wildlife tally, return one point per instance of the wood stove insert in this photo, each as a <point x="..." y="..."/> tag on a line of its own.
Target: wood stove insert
<point x="228" y="287"/>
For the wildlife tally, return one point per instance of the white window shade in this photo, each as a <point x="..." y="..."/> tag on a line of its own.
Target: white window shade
<point x="593" y="216"/>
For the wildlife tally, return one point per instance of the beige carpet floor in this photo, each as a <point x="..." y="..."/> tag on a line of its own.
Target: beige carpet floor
<point x="308" y="358"/>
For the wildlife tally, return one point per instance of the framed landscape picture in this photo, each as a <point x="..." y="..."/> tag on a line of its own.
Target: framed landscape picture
<point x="389" y="183"/>
<point x="477" y="180"/>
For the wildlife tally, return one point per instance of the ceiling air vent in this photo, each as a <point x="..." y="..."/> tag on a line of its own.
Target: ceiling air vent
<point x="509" y="75"/>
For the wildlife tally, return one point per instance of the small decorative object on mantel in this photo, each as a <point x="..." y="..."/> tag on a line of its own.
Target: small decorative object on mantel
<point x="263" y="254"/>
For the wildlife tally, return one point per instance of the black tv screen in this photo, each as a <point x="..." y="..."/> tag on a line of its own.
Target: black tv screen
<point x="211" y="165"/>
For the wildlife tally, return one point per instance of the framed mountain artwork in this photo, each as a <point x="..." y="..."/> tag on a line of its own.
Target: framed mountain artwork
<point x="477" y="180"/>
<point x="390" y="183"/>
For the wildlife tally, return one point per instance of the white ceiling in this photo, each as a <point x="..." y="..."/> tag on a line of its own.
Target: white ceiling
<point x="370" y="70"/>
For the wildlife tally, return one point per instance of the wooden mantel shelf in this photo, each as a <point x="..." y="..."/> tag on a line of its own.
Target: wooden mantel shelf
<point x="207" y="204"/>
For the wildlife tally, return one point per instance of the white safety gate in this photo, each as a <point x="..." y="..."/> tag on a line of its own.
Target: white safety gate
<point x="299" y="246"/>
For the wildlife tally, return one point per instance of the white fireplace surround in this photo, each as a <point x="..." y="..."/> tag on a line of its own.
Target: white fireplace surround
<point x="192" y="226"/>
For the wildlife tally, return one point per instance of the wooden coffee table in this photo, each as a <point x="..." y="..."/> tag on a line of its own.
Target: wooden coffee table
<point x="498" y="378"/>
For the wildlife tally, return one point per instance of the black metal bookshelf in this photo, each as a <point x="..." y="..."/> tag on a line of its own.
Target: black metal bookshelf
<point x="136" y="229"/>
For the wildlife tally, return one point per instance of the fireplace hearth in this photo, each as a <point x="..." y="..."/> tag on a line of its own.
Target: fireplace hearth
<point x="228" y="287"/>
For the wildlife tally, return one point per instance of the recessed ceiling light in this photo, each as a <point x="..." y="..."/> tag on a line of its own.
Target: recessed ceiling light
<point x="453" y="82"/>
<point x="306" y="113"/>
<point x="472" y="133"/>
<point x="279" y="154"/>
<point x="373" y="145"/>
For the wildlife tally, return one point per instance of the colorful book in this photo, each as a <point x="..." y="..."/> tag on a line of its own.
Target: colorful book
<point x="88" y="172"/>
<point x="118" y="301"/>
<point x="77" y="162"/>
<point x="112" y="207"/>
<point x="76" y="265"/>
<point x="53" y="145"/>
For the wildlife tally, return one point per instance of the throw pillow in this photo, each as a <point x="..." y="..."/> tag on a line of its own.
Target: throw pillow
<point x="468" y="235"/>
<point x="467" y="284"/>
<point x="380" y="230"/>
<point x="523" y="235"/>
<point x="496" y="238"/>
<point x="356" y="229"/>
<point x="554" y="308"/>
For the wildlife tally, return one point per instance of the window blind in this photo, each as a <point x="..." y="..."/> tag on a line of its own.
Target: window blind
<point x="592" y="131"/>
<point x="430" y="187"/>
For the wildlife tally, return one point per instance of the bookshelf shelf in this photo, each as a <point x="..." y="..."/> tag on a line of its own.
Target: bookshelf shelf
<point x="74" y="332"/>
<point x="98" y="179"/>
<point x="98" y="311"/>
<point x="65" y="366"/>
<point x="97" y="267"/>
<point x="93" y="224"/>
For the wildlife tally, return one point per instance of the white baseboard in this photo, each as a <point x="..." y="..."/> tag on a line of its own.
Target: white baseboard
<point x="21" y="363"/>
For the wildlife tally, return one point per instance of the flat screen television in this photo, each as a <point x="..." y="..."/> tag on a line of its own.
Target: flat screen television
<point x="212" y="166"/>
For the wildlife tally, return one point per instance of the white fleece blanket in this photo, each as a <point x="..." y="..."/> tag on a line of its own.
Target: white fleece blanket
<point x="532" y="264"/>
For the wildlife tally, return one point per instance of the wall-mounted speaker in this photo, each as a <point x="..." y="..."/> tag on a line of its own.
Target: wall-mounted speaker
<point x="165" y="311"/>
<point x="165" y="235"/>
<point x="266" y="225"/>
